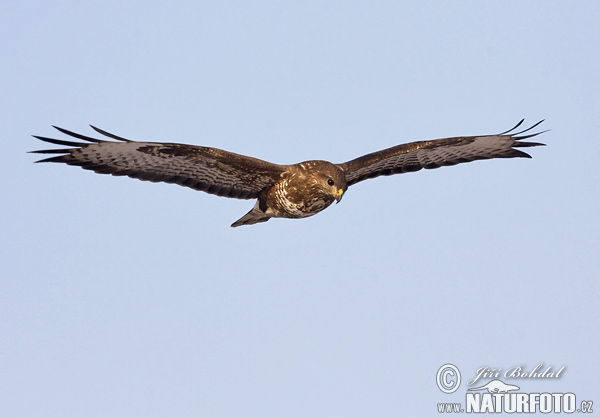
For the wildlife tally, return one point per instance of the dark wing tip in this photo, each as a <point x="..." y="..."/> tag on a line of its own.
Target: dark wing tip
<point x="515" y="136"/>
<point x="66" y="151"/>
<point x="528" y="144"/>
<point x="57" y="159"/>
<point x="53" y="151"/>
<point x="523" y="131"/>
<point x="519" y="124"/>
<point x="76" y="135"/>
<point x="60" y="142"/>
<point x="513" y="128"/>
<point x="528" y="129"/>
<point x="108" y="134"/>
<point x="76" y="145"/>
<point x="520" y="154"/>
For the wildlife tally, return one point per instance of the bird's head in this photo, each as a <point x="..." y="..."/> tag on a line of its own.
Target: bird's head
<point x="330" y="179"/>
<point x="337" y="188"/>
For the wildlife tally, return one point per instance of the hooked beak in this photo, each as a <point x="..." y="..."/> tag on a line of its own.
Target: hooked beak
<point x="338" y="195"/>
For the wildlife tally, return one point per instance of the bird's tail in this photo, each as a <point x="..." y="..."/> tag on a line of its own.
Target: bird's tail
<point x="255" y="216"/>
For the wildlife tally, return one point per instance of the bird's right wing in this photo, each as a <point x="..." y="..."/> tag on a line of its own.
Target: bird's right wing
<point x="206" y="169"/>
<point x="437" y="153"/>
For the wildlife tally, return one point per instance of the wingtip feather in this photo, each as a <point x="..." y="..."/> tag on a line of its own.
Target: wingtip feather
<point x="60" y="141"/>
<point x="513" y="128"/>
<point x="76" y="135"/>
<point x="58" y="159"/>
<point x="529" y="129"/>
<point x="108" y="134"/>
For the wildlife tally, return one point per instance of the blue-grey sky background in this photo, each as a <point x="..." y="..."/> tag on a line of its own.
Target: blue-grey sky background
<point x="125" y="298"/>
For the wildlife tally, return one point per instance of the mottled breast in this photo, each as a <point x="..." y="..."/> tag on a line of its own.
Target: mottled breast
<point x="306" y="189"/>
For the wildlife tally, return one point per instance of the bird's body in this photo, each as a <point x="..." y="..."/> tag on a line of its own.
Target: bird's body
<point x="282" y="191"/>
<point x="301" y="191"/>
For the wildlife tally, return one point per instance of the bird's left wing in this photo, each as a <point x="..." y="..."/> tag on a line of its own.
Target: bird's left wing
<point x="207" y="169"/>
<point x="437" y="153"/>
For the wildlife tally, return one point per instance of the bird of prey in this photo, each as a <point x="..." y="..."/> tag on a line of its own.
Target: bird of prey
<point x="282" y="191"/>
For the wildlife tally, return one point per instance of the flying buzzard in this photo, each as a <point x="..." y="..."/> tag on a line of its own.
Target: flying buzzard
<point x="282" y="191"/>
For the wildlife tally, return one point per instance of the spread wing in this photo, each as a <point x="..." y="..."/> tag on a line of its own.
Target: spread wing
<point x="437" y="153"/>
<point x="210" y="170"/>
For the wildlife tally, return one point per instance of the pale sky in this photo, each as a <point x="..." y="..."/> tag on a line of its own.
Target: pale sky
<point x="123" y="298"/>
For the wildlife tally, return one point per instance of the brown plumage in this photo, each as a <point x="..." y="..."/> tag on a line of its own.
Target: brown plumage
<point x="282" y="191"/>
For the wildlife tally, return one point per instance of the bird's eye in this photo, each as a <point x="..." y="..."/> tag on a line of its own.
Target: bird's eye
<point x="330" y="182"/>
